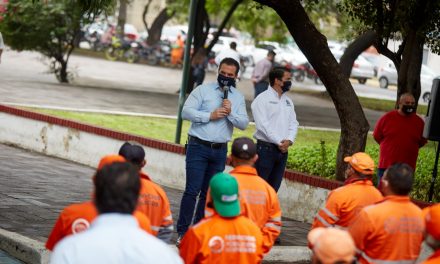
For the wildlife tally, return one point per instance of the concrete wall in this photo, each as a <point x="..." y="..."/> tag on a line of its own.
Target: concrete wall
<point x="299" y="201"/>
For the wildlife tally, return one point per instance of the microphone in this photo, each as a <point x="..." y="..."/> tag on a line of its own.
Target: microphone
<point x="225" y="92"/>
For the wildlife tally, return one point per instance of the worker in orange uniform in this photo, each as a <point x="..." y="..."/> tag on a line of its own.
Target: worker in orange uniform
<point x="153" y="201"/>
<point x="344" y="203"/>
<point x="432" y="232"/>
<point x="390" y="231"/>
<point x="177" y="51"/>
<point x="259" y="200"/>
<point x="331" y="245"/>
<point x="76" y="218"/>
<point x="225" y="237"/>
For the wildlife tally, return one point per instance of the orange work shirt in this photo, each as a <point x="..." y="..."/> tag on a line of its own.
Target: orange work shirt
<point x="391" y="230"/>
<point x="344" y="204"/>
<point x="259" y="202"/>
<point x="154" y="203"/>
<point x="222" y="240"/>
<point x="76" y="218"/>
<point x="433" y="259"/>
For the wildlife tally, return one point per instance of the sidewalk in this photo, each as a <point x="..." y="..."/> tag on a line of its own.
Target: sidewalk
<point x="35" y="188"/>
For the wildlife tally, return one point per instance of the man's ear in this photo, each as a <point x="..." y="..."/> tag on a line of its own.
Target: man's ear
<point x="255" y="158"/>
<point x="143" y="163"/>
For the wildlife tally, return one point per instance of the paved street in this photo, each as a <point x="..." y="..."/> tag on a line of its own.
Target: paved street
<point x="35" y="188"/>
<point x="128" y="87"/>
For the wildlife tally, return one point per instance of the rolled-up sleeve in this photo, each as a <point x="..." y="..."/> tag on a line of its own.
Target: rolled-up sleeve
<point x="191" y="109"/>
<point x="238" y="117"/>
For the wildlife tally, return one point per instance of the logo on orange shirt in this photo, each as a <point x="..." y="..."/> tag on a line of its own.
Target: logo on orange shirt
<point x="80" y="225"/>
<point x="216" y="244"/>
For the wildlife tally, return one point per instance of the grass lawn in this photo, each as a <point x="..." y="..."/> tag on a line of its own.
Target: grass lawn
<point x="313" y="152"/>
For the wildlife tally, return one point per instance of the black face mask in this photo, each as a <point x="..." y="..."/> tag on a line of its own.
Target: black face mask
<point x="225" y="81"/>
<point x="408" y="109"/>
<point x="286" y="86"/>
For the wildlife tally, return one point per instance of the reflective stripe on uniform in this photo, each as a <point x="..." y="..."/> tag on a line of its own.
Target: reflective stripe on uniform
<point x="322" y="220"/>
<point x="332" y="216"/>
<point x="275" y="219"/>
<point x="170" y="227"/>
<point x="272" y="225"/>
<point x="168" y="218"/>
<point x="155" y="228"/>
<point x="380" y="261"/>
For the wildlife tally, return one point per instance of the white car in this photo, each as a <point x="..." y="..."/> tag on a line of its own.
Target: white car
<point x="362" y="69"/>
<point x="387" y="74"/>
<point x="284" y="53"/>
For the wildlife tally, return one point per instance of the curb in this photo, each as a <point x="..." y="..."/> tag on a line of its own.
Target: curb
<point x="33" y="252"/>
<point x="23" y="248"/>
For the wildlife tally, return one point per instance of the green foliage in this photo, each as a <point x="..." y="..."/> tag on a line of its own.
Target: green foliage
<point x="393" y="19"/>
<point x="49" y="27"/>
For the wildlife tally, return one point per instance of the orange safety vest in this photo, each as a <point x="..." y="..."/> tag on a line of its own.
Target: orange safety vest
<point x="154" y="203"/>
<point x="76" y="218"/>
<point x="222" y="240"/>
<point x="390" y="231"/>
<point x="344" y="204"/>
<point x="259" y="202"/>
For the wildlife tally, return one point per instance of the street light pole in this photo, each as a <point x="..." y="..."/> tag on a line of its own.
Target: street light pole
<point x="186" y="67"/>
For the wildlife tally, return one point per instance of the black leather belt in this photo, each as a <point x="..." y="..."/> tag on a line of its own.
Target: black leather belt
<point x="267" y="144"/>
<point x="210" y="144"/>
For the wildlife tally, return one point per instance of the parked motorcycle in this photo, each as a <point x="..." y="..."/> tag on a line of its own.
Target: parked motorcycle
<point x="120" y="50"/>
<point x="158" y="54"/>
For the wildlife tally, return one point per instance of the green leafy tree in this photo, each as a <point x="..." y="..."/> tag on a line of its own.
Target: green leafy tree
<point x="49" y="27"/>
<point x="414" y="23"/>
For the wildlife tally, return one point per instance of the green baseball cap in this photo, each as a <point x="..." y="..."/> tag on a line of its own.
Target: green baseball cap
<point x="224" y="193"/>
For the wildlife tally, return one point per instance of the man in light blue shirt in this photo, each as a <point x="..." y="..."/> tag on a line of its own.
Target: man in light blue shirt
<point x="115" y="236"/>
<point x="214" y="109"/>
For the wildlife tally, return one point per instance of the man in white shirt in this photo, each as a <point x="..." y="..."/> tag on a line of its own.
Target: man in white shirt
<point x="276" y="124"/>
<point x="228" y="53"/>
<point x="114" y="236"/>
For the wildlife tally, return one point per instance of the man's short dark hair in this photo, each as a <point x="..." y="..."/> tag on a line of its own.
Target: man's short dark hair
<point x="117" y="188"/>
<point x="271" y="53"/>
<point x="133" y="153"/>
<point x="230" y="62"/>
<point x="233" y="45"/>
<point x="276" y="73"/>
<point x="400" y="177"/>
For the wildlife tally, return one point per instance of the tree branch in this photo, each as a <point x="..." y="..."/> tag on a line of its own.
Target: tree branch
<point x="144" y="16"/>
<point x="223" y="24"/>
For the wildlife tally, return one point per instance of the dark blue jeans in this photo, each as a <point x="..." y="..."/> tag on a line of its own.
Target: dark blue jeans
<point x="202" y="162"/>
<point x="380" y="173"/>
<point x="260" y="87"/>
<point x="271" y="164"/>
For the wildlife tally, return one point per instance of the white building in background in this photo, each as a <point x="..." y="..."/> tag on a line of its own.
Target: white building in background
<point x="429" y="59"/>
<point x="135" y="9"/>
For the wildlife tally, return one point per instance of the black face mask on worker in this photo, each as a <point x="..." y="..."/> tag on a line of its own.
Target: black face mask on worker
<point x="225" y="81"/>
<point x="286" y="86"/>
<point x="408" y="109"/>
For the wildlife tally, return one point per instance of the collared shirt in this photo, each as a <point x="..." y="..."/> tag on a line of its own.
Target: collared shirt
<point x="390" y="231"/>
<point x="204" y="100"/>
<point x="262" y="69"/>
<point x="113" y="238"/>
<point x="274" y="117"/>
<point x="227" y="53"/>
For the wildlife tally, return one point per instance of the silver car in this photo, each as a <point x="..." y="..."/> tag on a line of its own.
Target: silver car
<point x="387" y="74"/>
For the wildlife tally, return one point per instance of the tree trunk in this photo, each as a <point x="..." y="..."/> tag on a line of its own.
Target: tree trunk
<point x="354" y="126"/>
<point x="351" y="53"/>
<point x="63" y="72"/>
<point x="122" y="17"/>
<point x="409" y="73"/>
<point x="155" y="31"/>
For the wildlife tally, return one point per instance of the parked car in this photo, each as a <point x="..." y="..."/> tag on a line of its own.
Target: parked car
<point x="362" y="69"/>
<point x="387" y="75"/>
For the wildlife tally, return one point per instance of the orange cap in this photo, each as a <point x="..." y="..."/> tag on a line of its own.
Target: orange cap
<point x="331" y="245"/>
<point x="361" y="162"/>
<point x="431" y="215"/>
<point x="109" y="159"/>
